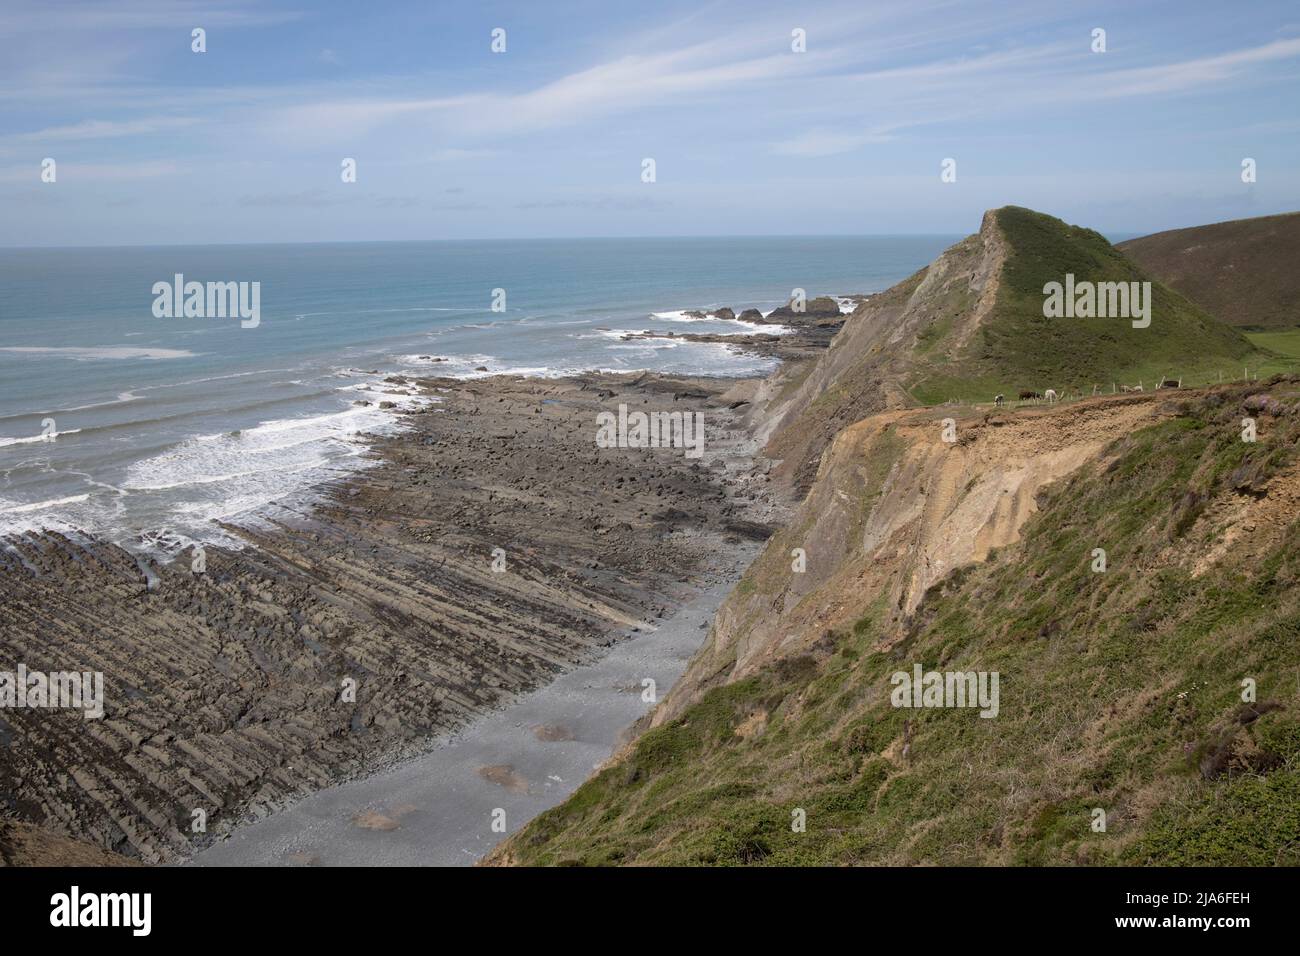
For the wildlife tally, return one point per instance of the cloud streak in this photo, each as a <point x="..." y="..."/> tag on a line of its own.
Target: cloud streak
<point x="742" y="126"/>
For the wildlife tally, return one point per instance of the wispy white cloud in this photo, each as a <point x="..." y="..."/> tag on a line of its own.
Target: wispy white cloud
<point x="828" y="142"/>
<point x="970" y="88"/>
<point x="964" y="68"/>
<point x="457" y="155"/>
<point x="1194" y="73"/>
<point x="619" y="86"/>
<point x="334" y="120"/>
<point x="561" y="122"/>
<point x="105" y="129"/>
<point x="68" y="16"/>
<point x="845" y="108"/>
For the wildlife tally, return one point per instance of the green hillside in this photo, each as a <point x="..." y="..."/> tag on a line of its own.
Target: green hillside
<point x="1120" y="690"/>
<point x="970" y="326"/>
<point x="1016" y="347"/>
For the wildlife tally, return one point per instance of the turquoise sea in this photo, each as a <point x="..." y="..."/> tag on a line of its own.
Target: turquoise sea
<point x="163" y="426"/>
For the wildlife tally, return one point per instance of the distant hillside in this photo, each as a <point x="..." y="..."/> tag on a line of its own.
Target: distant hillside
<point x="1245" y="272"/>
<point x="1121" y="690"/>
<point x="971" y="326"/>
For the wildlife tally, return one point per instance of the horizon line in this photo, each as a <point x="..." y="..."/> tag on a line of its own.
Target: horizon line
<point x="368" y="242"/>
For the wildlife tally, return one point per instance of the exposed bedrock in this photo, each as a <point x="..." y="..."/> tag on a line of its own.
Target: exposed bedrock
<point x="229" y="692"/>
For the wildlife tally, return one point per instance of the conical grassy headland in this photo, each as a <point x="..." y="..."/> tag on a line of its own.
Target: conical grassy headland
<point x="1124" y="692"/>
<point x="1016" y="347"/>
<point x="971" y="326"/>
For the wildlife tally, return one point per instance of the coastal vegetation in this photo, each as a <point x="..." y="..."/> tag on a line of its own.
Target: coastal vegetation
<point x="1125" y="563"/>
<point x="1016" y="346"/>
<point x="1122" y="692"/>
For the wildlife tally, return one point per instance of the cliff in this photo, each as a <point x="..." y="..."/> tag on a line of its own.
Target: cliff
<point x="1153" y="692"/>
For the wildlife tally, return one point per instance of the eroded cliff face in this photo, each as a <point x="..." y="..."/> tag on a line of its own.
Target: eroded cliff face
<point x="893" y="510"/>
<point x="890" y="507"/>
<point x="1121" y="690"/>
<point x="961" y="534"/>
<point x="876" y="353"/>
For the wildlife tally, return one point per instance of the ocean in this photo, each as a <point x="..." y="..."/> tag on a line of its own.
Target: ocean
<point x="150" y="431"/>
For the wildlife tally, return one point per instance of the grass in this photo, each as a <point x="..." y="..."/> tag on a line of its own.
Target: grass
<point x="1286" y="342"/>
<point x="1118" y="690"/>
<point x="1018" y="348"/>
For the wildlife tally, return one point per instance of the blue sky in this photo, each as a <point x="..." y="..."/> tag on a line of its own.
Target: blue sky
<point x="157" y="144"/>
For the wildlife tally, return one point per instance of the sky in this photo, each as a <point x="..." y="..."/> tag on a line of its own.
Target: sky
<point x="155" y="143"/>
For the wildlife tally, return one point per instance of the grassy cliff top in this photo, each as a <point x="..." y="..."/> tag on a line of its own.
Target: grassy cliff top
<point x="1120" y="691"/>
<point x="1016" y="347"/>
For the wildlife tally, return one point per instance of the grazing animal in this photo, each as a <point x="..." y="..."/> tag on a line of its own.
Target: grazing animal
<point x="1049" y="396"/>
<point x="1131" y="388"/>
<point x="1027" y="394"/>
<point x="998" y="400"/>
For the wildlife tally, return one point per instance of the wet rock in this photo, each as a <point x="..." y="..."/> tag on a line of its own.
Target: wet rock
<point x="366" y="628"/>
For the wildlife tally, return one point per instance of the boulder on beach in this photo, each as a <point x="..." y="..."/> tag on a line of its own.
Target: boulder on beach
<point x="822" y="307"/>
<point x="720" y="313"/>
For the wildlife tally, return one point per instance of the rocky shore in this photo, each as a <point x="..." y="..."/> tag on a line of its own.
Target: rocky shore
<point x="452" y="804"/>
<point x="492" y="547"/>
<point x="798" y="334"/>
